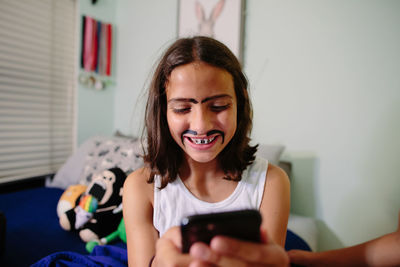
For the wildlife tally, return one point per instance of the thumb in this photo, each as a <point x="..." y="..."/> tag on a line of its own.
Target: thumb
<point x="264" y="236"/>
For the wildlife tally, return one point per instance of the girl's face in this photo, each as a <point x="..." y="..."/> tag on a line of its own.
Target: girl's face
<point x="201" y="109"/>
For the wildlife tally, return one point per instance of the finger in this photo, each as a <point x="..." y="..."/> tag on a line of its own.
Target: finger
<point x="199" y="263"/>
<point x="174" y="234"/>
<point x="202" y="252"/>
<point x="225" y="261"/>
<point x="204" y="256"/>
<point x="264" y="236"/>
<point x="270" y="253"/>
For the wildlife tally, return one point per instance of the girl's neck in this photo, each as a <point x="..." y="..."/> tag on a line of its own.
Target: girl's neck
<point x="194" y="170"/>
<point x="205" y="180"/>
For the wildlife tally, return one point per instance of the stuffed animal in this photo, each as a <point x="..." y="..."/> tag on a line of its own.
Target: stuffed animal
<point x="70" y="198"/>
<point x="119" y="233"/>
<point x="99" y="209"/>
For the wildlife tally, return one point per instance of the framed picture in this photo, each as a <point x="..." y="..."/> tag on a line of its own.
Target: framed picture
<point x="220" y="19"/>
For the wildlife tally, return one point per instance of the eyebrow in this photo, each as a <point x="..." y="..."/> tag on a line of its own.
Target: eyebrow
<point x="194" y="101"/>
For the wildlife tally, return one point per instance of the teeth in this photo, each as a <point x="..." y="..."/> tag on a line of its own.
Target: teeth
<point x="202" y="141"/>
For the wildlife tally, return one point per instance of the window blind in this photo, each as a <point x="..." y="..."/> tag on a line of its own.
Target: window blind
<point x="38" y="61"/>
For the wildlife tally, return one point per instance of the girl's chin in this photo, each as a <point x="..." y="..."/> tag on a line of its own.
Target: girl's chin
<point x="201" y="157"/>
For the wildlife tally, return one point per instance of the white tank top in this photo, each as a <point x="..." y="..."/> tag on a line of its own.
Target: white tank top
<point x="175" y="201"/>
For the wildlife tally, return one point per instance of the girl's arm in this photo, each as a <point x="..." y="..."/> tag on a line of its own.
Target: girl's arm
<point x="382" y="251"/>
<point x="138" y="216"/>
<point x="275" y="205"/>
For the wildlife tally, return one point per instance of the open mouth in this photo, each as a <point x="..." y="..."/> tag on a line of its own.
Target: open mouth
<point x="202" y="141"/>
<point x="211" y="137"/>
<point x="98" y="190"/>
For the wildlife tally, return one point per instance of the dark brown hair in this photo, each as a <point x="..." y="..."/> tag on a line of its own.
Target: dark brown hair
<point x="163" y="155"/>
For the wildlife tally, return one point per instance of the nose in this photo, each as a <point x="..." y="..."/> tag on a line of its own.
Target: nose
<point x="201" y="121"/>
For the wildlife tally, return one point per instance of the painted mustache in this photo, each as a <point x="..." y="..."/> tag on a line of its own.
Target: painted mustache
<point x="208" y="134"/>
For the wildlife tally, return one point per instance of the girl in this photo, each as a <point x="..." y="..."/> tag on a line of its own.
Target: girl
<point x="198" y="159"/>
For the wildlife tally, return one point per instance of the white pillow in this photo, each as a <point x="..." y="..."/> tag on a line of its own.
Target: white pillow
<point x="124" y="153"/>
<point x="70" y="172"/>
<point x="272" y="153"/>
<point x="95" y="155"/>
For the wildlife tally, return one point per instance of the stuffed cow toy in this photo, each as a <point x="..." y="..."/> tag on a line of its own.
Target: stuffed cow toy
<point x="98" y="211"/>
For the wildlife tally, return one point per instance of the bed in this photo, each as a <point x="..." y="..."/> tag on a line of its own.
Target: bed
<point x="32" y="230"/>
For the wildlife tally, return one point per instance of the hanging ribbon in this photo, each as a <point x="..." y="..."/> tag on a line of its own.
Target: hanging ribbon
<point x="96" y="46"/>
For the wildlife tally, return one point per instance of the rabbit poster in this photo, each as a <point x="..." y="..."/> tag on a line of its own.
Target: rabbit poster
<point x="221" y="19"/>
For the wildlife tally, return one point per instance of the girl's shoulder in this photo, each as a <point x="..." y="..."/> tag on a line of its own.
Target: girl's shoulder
<point x="261" y="164"/>
<point x="275" y="169"/>
<point x="276" y="174"/>
<point x="139" y="176"/>
<point x="140" y="173"/>
<point x="137" y="183"/>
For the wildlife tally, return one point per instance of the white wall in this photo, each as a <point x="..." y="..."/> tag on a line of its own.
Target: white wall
<point x="325" y="82"/>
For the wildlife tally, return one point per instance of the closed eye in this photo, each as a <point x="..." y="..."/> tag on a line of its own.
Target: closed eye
<point x="218" y="108"/>
<point x="180" y="110"/>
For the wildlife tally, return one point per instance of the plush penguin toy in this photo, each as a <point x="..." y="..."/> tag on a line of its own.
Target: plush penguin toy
<point x="99" y="210"/>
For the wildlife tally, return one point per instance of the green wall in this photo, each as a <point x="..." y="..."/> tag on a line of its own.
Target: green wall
<point x="96" y="108"/>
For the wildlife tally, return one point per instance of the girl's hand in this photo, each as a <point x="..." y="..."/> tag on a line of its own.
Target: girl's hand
<point x="225" y="251"/>
<point x="302" y="257"/>
<point x="168" y="250"/>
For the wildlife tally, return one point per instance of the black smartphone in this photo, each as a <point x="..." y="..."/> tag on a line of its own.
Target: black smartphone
<point x="241" y="224"/>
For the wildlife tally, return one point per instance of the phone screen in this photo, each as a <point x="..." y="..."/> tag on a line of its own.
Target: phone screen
<point x="241" y="224"/>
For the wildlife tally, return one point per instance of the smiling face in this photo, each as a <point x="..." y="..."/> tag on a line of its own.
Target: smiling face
<point x="201" y="109"/>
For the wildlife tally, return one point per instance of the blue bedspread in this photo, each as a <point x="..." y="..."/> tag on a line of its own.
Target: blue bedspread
<point x="33" y="234"/>
<point x="114" y="256"/>
<point x="101" y="256"/>
<point x="33" y="230"/>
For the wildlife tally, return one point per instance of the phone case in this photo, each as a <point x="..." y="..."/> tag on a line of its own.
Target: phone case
<point x="242" y="224"/>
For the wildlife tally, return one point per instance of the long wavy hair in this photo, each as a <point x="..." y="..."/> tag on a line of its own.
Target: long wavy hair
<point x="163" y="156"/>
